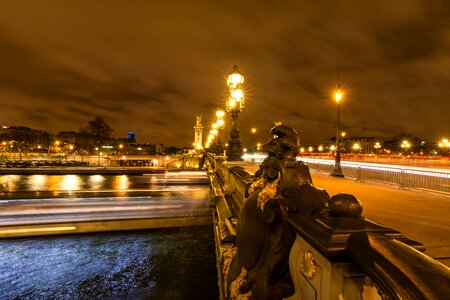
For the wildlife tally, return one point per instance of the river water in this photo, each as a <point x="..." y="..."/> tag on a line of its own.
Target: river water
<point x="176" y="263"/>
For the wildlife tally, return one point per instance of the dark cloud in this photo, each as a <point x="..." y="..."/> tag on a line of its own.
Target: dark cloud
<point x="152" y="67"/>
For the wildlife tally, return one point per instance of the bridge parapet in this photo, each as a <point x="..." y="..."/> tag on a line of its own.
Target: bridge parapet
<point x="277" y="236"/>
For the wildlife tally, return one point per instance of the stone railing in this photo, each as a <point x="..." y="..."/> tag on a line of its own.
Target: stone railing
<point x="277" y="236"/>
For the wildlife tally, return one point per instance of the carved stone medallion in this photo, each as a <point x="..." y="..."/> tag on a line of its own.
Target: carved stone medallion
<point x="308" y="266"/>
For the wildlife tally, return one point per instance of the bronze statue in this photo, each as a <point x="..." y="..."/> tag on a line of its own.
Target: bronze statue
<point x="281" y="186"/>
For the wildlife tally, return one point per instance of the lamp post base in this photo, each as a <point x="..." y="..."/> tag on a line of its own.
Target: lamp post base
<point x="337" y="172"/>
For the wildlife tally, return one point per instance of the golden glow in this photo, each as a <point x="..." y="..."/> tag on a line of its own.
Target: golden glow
<point x="121" y="182"/>
<point x="356" y="146"/>
<point x="96" y="181"/>
<point x="320" y="148"/>
<point x="70" y="183"/>
<point x="231" y="103"/>
<point x="310" y="149"/>
<point x="237" y="94"/>
<point x="226" y="144"/>
<point x="220" y="122"/>
<point x="220" y="113"/>
<point x="338" y="94"/>
<point x="42" y="229"/>
<point x="120" y="146"/>
<point x="377" y="145"/>
<point x="245" y="149"/>
<point x="444" y="143"/>
<point x="37" y="182"/>
<point x="213" y="131"/>
<point x="235" y="78"/>
<point x="57" y="143"/>
<point x="71" y="147"/>
<point x="253" y="130"/>
<point x="214" y="126"/>
<point x="405" y="144"/>
<point x="302" y="149"/>
<point x="333" y="147"/>
<point x="343" y="134"/>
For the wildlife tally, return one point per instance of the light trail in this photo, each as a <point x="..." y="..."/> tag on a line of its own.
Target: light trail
<point x="45" y="229"/>
<point x="369" y="166"/>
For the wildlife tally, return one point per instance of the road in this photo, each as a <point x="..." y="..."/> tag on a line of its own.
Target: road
<point x="419" y="215"/>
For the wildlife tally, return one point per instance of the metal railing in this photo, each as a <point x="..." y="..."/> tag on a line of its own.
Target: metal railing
<point x="402" y="176"/>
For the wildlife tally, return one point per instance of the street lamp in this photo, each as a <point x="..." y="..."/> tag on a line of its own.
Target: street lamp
<point x="405" y="145"/>
<point x="220" y="123"/>
<point x="337" y="172"/>
<point x="377" y="147"/>
<point x="356" y="147"/>
<point x="234" y="106"/>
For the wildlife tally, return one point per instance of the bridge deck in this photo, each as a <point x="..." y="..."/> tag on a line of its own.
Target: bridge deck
<point x="419" y="215"/>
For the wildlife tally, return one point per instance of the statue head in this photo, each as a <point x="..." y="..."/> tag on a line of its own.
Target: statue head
<point x="284" y="144"/>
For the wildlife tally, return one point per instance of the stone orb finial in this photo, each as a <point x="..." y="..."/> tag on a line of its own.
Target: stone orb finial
<point x="345" y="205"/>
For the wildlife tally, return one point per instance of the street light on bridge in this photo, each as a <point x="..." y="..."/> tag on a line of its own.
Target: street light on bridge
<point x="234" y="106"/>
<point x="337" y="172"/>
<point x="220" y="123"/>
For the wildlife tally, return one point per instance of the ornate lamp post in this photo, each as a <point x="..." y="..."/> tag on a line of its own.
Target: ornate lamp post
<point x="337" y="172"/>
<point x="234" y="106"/>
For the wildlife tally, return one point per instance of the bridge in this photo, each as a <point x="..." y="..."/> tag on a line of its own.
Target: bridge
<point x="279" y="236"/>
<point x="406" y="215"/>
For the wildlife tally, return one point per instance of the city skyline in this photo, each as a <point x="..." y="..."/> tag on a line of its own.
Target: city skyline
<point x="152" y="67"/>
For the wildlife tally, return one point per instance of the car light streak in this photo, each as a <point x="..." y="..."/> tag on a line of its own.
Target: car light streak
<point x="367" y="166"/>
<point x="42" y="229"/>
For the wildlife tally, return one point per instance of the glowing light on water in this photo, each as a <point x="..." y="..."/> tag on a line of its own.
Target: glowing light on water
<point x="121" y="182"/>
<point x="70" y="183"/>
<point x="96" y="181"/>
<point x="38" y="182"/>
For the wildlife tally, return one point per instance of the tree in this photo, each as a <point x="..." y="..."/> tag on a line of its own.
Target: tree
<point x="99" y="128"/>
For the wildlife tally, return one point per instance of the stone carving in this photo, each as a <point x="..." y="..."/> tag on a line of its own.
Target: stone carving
<point x="369" y="282"/>
<point x="199" y="121"/>
<point x="308" y="266"/>
<point x="264" y="238"/>
<point x="282" y="186"/>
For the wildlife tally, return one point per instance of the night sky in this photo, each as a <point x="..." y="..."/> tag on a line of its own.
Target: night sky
<point x="152" y="66"/>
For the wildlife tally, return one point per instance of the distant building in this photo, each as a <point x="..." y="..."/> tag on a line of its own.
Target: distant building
<point x="364" y="145"/>
<point x="131" y="136"/>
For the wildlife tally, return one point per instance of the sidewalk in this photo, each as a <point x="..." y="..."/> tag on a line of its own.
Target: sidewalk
<point x="419" y="215"/>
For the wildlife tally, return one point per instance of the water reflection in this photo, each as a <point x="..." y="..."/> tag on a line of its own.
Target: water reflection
<point x="100" y="183"/>
<point x="96" y="181"/>
<point x="70" y="183"/>
<point x="121" y="182"/>
<point x="37" y="182"/>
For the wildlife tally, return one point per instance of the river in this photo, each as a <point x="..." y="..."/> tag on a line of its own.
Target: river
<point x="176" y="263"/>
